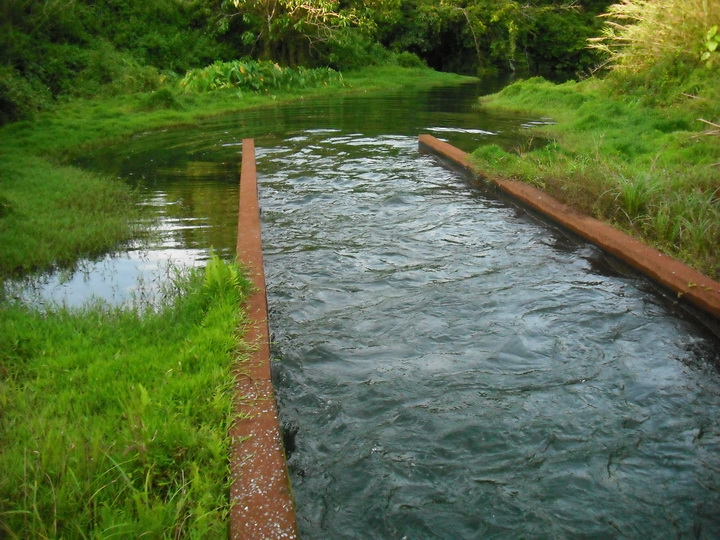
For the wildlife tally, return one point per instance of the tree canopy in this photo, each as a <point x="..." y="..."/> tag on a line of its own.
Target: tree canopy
<point x="85" y="47"/>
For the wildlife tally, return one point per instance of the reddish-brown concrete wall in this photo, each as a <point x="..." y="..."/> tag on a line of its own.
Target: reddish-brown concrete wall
<point x="260" y="492"/>
<point x="690" y="286"/>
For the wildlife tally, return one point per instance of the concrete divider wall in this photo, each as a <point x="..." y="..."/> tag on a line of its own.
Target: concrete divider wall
<point x="260" y="492"/>
<point x="686" y="283"/>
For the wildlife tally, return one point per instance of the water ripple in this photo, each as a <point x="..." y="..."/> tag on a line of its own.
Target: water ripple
<point x="456" y="370"/>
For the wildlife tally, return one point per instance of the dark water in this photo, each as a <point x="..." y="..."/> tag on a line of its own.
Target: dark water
<point x="453" y="368"/>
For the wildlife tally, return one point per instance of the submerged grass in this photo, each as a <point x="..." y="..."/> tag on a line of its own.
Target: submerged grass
<point x="115" y="421"/>
<point x="644" y="167"/>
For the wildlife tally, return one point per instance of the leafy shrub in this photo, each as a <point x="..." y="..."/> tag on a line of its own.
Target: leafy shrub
<point x="109" y="71"/>
<point x="352" y="50"/>
<point x="557" y="43"/>
<point x="254" y="76"/>
<point x="710" y="47"/>
<point x="20" y="97"/>
<point x="161" y="99"/>
<point x="409" y="60"/>
<point x="166" y="34"/>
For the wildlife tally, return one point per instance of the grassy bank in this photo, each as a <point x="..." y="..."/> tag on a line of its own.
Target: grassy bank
<point x="634" y="146"/>
<point x="52" y="213"/>
<point x="114" y="421"/>
<point x="652" y="169"/>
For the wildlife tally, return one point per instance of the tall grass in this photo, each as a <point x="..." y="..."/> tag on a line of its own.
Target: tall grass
<point x="639" y="33"/>
<point x="656" y="52"/>
<point x="645" y="169"/>
<point x="115" y="422"/>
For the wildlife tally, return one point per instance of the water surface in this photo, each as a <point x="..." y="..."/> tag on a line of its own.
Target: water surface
<point x="455" y="370"/>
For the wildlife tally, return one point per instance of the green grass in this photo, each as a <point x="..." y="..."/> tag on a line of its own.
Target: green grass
<point x="59" y="213"/>
<point x="51" y="214"/>
<point x="115" y="421"/>
<point x="641" y="163"/>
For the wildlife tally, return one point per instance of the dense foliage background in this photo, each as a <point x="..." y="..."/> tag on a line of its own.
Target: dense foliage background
<point x="56" y="49"/>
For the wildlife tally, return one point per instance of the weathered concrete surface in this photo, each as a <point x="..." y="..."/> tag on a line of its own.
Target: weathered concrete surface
<point x="688" y="284"/>
<point x="260" y="493"/>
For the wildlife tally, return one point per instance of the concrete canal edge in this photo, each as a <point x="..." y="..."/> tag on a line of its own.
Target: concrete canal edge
<point x="687" y="284"/>
<point x="260" y="493"/>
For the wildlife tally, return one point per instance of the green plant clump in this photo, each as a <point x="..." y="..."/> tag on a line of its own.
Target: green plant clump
<point x="256" y="76"/>
<point x="710" y="49"/>
<point x="115" y="421"/>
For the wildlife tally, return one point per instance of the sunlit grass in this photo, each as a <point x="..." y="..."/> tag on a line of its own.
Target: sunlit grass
<point x="641" y="33"/>
<point x="115" y="421"/>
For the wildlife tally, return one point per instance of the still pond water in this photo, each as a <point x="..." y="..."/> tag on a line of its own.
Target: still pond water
<point x="452" y="368"/>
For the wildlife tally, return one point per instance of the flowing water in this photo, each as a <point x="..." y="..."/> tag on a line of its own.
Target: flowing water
<point x="447" y="366"/>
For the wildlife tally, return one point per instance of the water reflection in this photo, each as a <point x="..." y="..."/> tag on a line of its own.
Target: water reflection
<point x="134" y="277"/>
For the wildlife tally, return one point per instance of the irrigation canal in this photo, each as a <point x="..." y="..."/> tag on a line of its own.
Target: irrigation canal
<point x="451" y="368"/>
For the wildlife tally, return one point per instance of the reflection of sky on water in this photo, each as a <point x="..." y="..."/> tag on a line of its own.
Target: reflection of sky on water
<point x="192" y="216"/>
<point x="133" y="276"/>
<point x="459" y="130"/>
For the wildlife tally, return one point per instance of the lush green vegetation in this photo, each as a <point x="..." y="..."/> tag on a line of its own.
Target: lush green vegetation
<point x="546" y="36"/>
<point x="57" y="50"/>
<point x="637" y="146"/>
<point x="255" y="76"/>
<point x="115" y="421"/>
